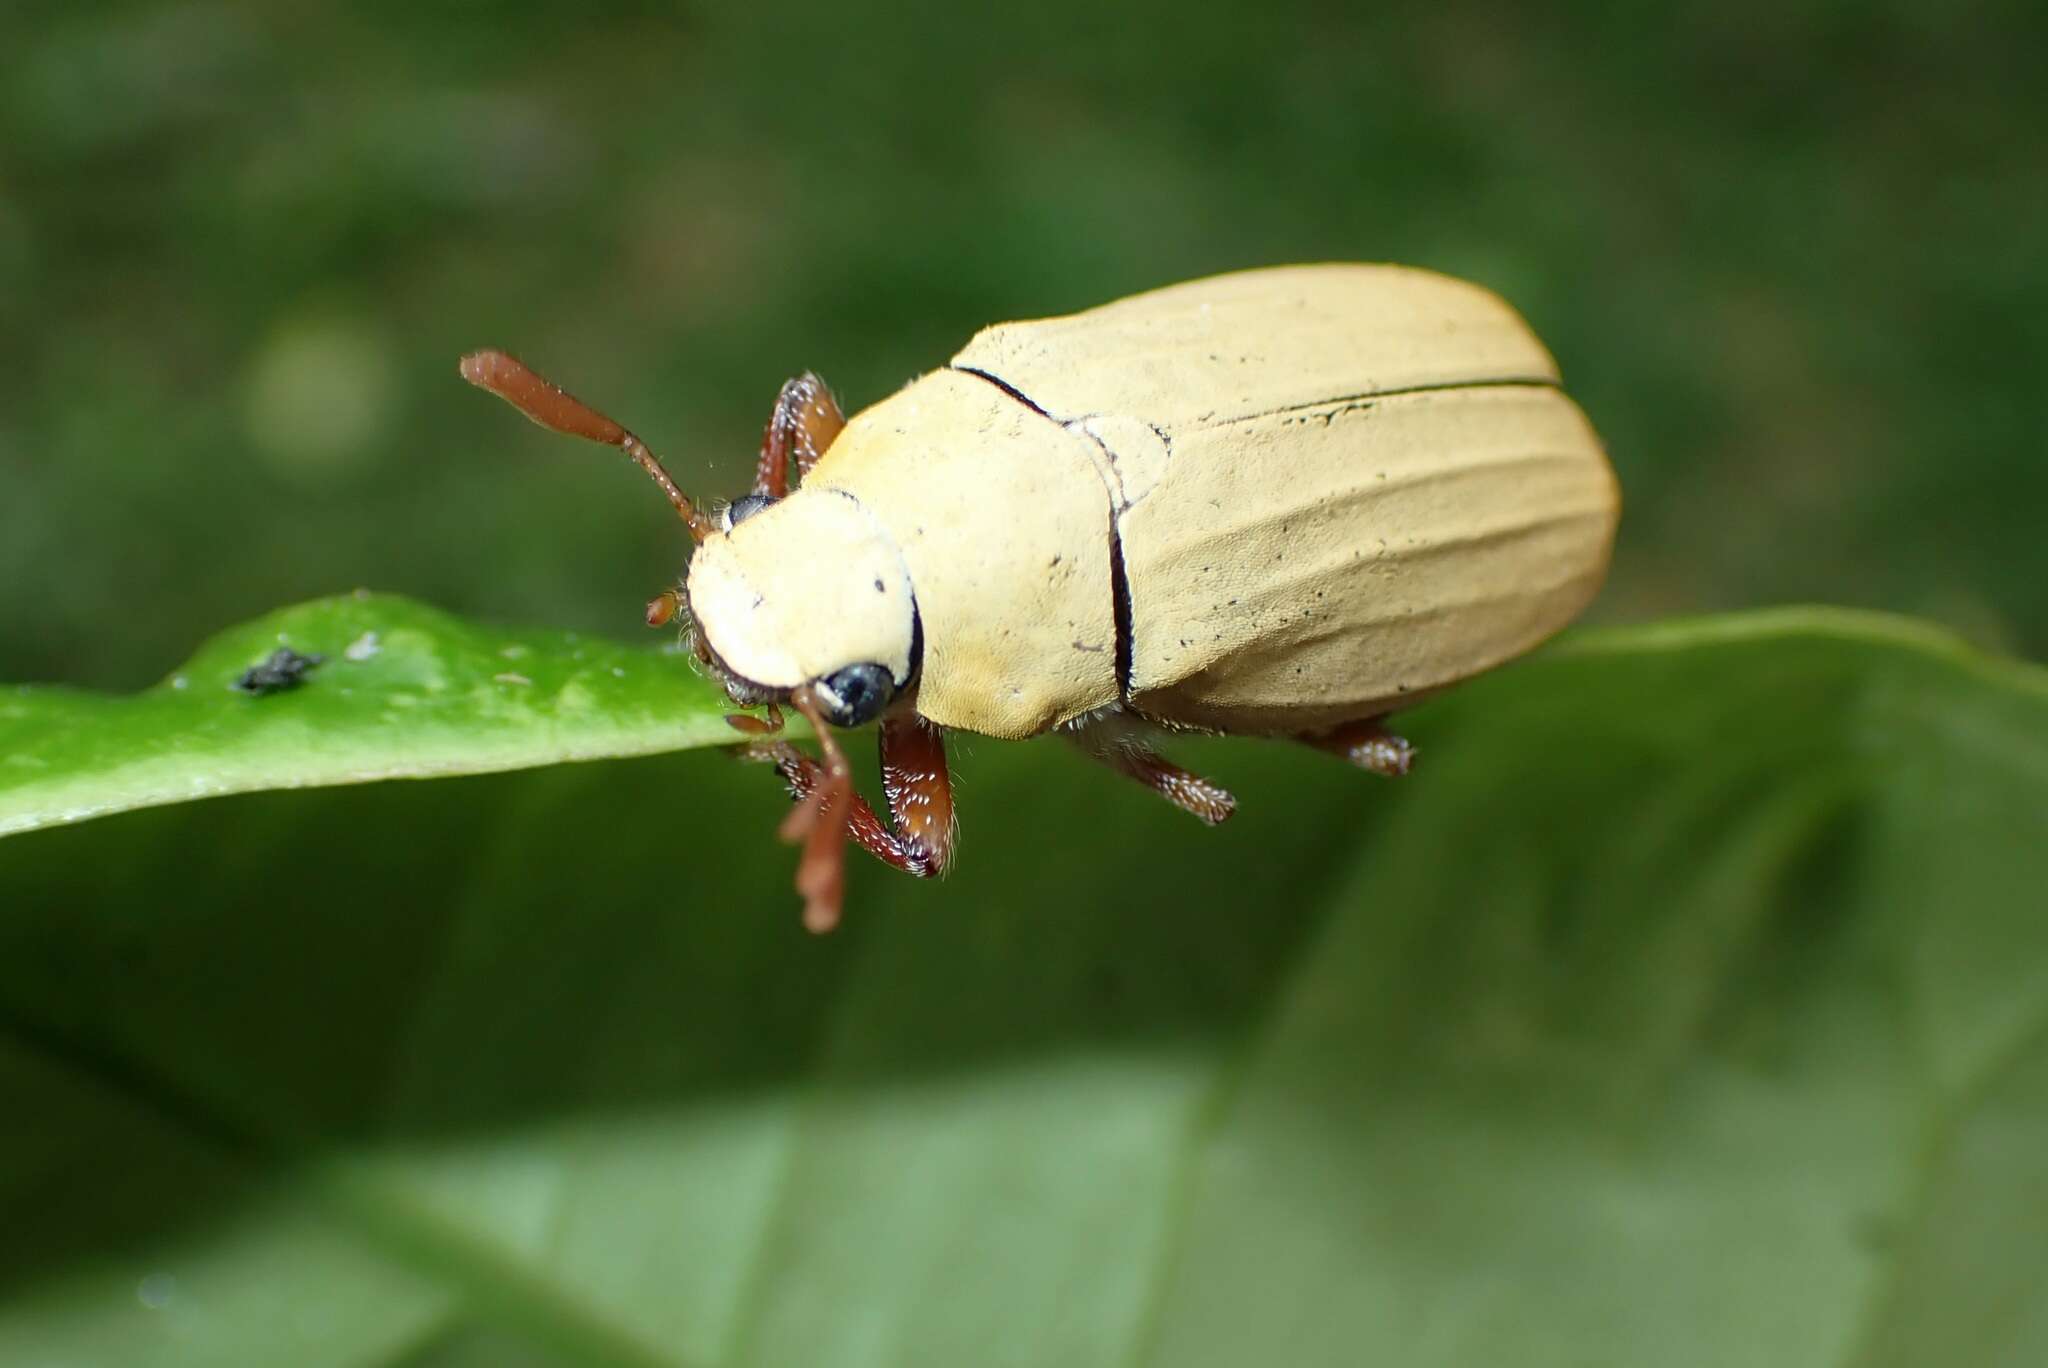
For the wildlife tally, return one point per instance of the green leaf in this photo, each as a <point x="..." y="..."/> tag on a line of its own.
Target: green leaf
<point x="402" y="692"/>
<point x="1688" y="1006"/>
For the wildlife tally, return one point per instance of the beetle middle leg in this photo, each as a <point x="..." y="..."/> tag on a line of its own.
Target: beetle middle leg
<point x="1367" y="744"/>
<point x="803" y="423"/>
<point x="1115" y="743"/>
<point x="917" y="838"/>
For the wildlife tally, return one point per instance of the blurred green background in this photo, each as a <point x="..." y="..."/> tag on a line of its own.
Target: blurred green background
<point x="1685" y="1007"/>
<point x="1789" y="255"/>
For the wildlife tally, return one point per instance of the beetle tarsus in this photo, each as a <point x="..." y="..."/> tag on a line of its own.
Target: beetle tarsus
<point x="1113" y="740"/>
<point x="1367" y="744"/>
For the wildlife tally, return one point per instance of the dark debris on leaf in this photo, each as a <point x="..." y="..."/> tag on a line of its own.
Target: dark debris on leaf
<point x="283" y="670"/>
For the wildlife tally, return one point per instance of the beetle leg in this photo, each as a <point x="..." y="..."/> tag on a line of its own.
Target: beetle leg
<point x="1116" y="746"/>
<point x="1367" y="744"/>
<point x="919" y="787"/>
<point x="805" y="420"/>
<point x="915" y="778"/>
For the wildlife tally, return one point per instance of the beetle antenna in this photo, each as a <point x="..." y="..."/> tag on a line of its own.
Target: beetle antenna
<point x="556" y="409"/>
<point x="820" y="823"/>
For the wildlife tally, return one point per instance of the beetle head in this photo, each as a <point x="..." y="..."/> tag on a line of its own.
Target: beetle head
<point x="806" y="590"/>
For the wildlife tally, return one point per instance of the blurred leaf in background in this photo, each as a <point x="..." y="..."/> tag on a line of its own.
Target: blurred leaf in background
<point x="1788" y="255"/>
<point x="1685" y="1008"/>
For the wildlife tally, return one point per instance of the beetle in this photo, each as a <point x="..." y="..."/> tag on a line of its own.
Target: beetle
<point x="1282" y="502"/>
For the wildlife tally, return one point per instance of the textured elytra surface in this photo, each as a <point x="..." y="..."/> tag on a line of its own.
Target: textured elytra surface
<point x="1685" y="1006"/>
<point x="1335" y="485"/>
<point x="1251" y="343"/>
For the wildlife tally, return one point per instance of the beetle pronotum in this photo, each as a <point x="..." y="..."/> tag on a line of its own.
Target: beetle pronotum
<point x="1281" y="502"/>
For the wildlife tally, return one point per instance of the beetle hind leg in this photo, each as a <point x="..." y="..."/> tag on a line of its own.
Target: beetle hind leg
<point x="1117" y="745"/>
<point x="1365" y="743"/>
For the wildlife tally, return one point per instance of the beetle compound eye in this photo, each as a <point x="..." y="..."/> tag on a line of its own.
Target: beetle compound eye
<point x="855" y="694"/>
<point x="741" y="509"/>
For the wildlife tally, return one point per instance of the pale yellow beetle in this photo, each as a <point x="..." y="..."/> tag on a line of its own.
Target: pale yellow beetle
<point x="1283" y="502"/>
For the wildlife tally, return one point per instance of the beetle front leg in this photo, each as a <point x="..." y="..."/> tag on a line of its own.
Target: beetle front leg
<point x="1116" y="745"/>
<point x="803" y="423"/>
<point x="918" y="838"/>
<point x="1367" y="744"/>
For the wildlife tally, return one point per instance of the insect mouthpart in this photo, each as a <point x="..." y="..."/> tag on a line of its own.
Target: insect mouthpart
<point x="749" y="694"/>
<point x="741" y="690"/>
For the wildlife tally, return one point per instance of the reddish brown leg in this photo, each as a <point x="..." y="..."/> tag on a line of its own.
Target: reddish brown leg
<point x="805" y="420"/>
<point x="919" y="787"/>
<point x="1367" y="744"/>
<point x="1117" y="745"/>
<point x="920" y="793"/>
